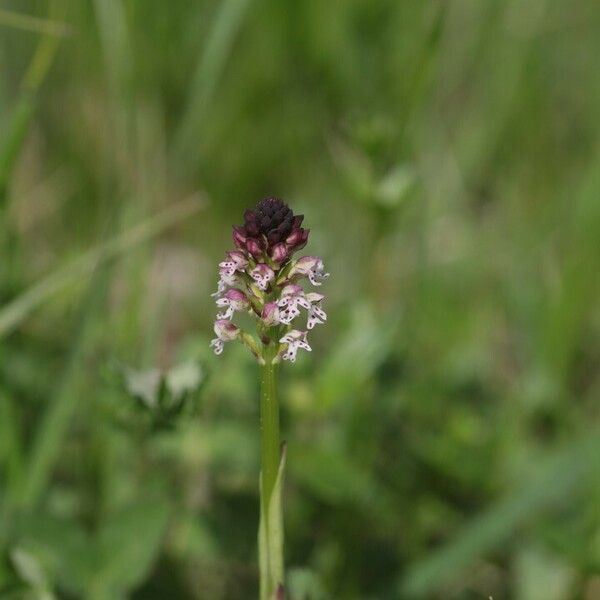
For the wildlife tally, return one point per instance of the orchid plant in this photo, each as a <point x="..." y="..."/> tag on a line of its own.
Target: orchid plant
<point x="262" y="278"/>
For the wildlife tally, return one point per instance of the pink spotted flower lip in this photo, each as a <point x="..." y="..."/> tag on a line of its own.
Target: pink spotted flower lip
<point x="294" y="340"/>
<point x="229" y="270"/>
<point x="235" y="300"/>
<point x="311" y="267"/>
<point x="263" y="275"/>
<point x="262" y="278"/>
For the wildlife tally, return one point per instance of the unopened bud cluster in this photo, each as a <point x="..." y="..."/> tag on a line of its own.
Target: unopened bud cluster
<point x="262" y="278"/>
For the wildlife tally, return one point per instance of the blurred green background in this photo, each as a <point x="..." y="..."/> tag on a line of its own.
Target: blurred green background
<point x="444" y="434"/>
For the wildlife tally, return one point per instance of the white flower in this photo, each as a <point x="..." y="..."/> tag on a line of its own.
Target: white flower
<point x="293" y="296"/>
<point x="228" y="271"/>
<point x="234" y="300"/>
<point x="311" y="267"/>
<point x="238" y="259"/>
<point x="316" y="314"/>
<point x="221" y="287"/>
<point x="263" y="275"/>
<point x="294" y="339"/>
<point x="226" y="331"/>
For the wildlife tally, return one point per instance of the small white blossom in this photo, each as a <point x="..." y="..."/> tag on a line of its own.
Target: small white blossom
<point x="235" y="300"/>
<point x="316" y="314"/>
<point x="228" y="269"/>
<point x="226" y="331"/>
<point x="292" y="296"/>
<point x="311" y="267"/>
<point x="263" y="275"/>
<point x="294" y="339"/>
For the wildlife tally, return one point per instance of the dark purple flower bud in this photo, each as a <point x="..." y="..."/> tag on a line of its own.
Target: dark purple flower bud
<point x="253" y="247"/>
<point x="235" y="300"/>
<point x="236" y="295"/>
<point x="269" y="223"/>
<point x="270" y="314"/>
<point x="274" y="237"/>
<point x="285" y="226"/>
<point x="239" y="236"/>
<point x="302" y="243"/>
<point x="294" y="238"/>
<point x="253" y="228"/>
<point x="279" y="253"/>
<point x="226" y="330"/>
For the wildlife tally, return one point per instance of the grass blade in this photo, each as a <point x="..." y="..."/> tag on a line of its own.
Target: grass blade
<point x="210" y="69"/>
<point x="561" y="476"/>
<point x="12" y="315"/>
<point x="34" y="77"/>
<point x="33" y="24"/>
<point x="62" y="403"/>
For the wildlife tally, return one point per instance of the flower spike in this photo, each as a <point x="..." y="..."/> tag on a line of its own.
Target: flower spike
<point x="261" y="277"/>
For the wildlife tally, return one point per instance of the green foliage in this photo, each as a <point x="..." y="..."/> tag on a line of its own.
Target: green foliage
<point x="108" y="562"/>
<point x="160" y="398"/>
<point x="442" y="434"/>
<point x="270" y="536"/>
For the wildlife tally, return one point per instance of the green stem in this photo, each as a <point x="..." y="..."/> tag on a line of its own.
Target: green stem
<point x="269" y="428"/>
<point x="271" y="528"/>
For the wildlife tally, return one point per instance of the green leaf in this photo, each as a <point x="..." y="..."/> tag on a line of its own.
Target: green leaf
<point x="163" y="396"/>
<point x="275" y="526"/>
<point x="29" y="568"/>
<point x="63" y="548"/>
<point x="184" y="379"/>
<point x="304" y="584"/>
<point x="127" y="547"/>
<point x="144" y="385"/>
<point x="395" y="186"/>
<point x="543" y="576"/>
<point x="263" y="553"/>
<point x="270" y="537"/>
<point x="365" y="344"/>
